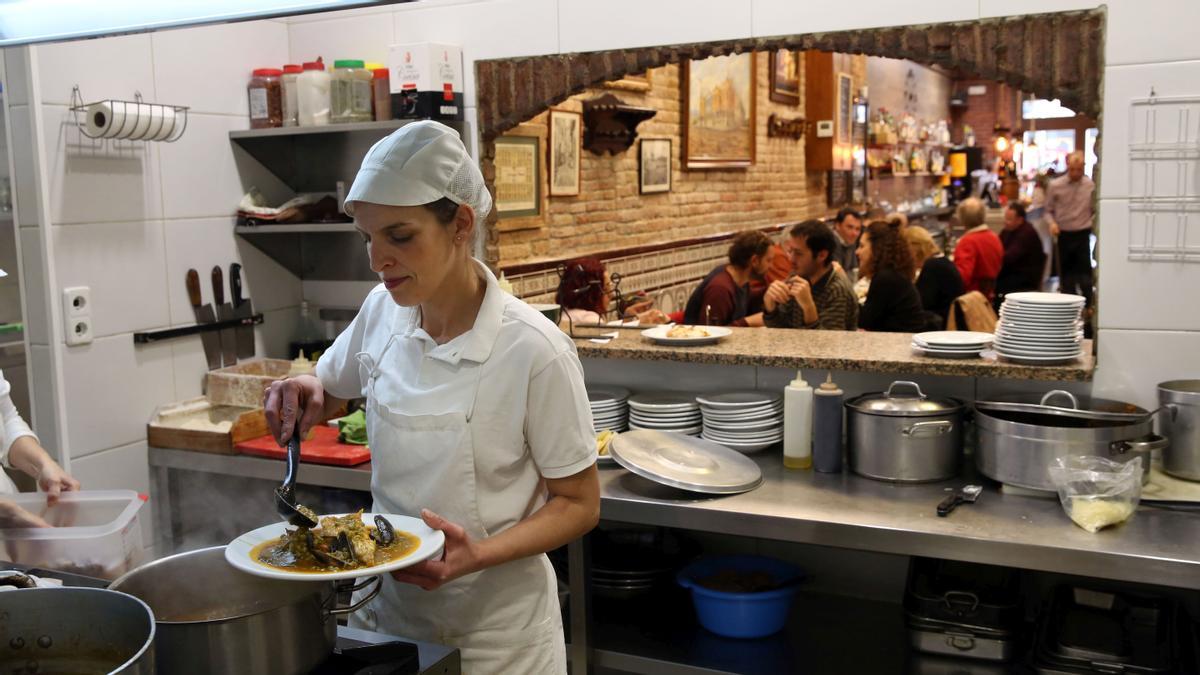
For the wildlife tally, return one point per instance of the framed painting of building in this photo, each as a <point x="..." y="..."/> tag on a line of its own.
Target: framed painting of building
<point x="566" y="131"/>
<point x="719" y="112"/>
<point x="654" y="165"/>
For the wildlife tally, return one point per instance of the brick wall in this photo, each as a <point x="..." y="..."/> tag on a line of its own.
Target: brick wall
<point x="1000" y="104"/>
<point x="609" y="212"/>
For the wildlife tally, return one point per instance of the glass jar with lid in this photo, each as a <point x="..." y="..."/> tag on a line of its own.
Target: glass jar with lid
<point x="265" y="95"/>
<point x="350" y="92"/>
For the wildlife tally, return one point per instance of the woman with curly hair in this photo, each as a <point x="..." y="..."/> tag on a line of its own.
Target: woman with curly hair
<point x="893" y="303"/>
<point x="585" y="291"/>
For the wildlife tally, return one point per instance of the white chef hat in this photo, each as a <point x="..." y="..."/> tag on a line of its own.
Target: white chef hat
<point x="417" y="164"/>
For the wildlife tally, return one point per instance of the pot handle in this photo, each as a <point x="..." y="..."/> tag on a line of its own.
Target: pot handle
<point x="907" y="383"/>
<point x="939" y="428"/>
<point x="377" y="580"/>
<point x="1061" y="392"/>
<point x="1148" y="444"/>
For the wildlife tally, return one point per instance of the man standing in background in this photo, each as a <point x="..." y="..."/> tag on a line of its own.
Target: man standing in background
<point x="1069" y="212"/>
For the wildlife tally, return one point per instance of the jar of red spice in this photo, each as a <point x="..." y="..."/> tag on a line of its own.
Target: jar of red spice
<point x="266" y="98"/>
<point x="381" y="94"/>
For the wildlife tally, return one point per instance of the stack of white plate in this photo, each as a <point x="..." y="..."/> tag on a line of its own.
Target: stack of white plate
<point x="665" y="411"/>
<point x="953" y="344"/>
<point x="745" y="421"/>
<point x="610" y="408"/>
<point x="1040" y="328"/>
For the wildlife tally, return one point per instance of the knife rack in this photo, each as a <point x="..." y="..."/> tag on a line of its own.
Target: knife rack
<point x="147" y="337"/>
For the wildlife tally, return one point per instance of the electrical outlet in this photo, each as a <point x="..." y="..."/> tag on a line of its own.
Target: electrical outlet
<point x="79" y="332"/>
<point x="77" y="302"/>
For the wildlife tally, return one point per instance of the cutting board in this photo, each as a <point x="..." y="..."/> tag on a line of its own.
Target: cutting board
<point x="322" y="449"/>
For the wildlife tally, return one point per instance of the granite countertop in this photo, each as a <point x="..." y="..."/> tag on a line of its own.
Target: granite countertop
<point x="828" y="350"/>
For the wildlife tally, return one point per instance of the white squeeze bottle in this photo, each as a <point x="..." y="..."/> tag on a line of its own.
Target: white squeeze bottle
<point x="797" y="424"/>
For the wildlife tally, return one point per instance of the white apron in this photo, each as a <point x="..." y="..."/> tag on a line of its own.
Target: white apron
<point x="504" y="619"/>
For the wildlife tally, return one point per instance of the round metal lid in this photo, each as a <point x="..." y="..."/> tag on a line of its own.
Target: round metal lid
<point x="686" y="462"/>
<point x="912" y="403"/>
<point x="1059" y="403"/>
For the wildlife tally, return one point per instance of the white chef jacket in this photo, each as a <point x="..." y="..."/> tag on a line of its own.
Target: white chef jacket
<point x="13" y="428"/>
<point x="530" y="395"/>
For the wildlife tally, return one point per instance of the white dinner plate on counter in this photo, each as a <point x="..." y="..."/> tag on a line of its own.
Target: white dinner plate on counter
<point x="659" y="335"/>
<point x="237" y="553"/>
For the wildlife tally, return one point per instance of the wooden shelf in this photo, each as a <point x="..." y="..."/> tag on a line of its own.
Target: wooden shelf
<point x="908" y="144"/>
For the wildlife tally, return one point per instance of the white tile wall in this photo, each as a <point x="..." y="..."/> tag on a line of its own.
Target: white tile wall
<point x="271" y="340"/>
<point x="24" y="181"/>
<point x="201" y="243"/>
<point x="16" y="75"/>
<point x="784" y="17"/>
<point x="208" y="67"/>
<point x="361" y="35"/>
<point x="112" y="68"/>
<point x="486" y="30"/>
<point x="277" y="330"/>
<point x="123" y="265"/>
<point x="95" y="181"/>
<point x="1132" y="362"/>
<point x="44" y="418"/>
<point x="37" y="316"/>
<point x="1136" y="35"/>
<point x="620" y="24"/>
<point x="112" y="387"/>
<point x="123" y="468"/>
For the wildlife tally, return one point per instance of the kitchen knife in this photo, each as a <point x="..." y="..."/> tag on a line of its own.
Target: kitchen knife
<point x="224" y="313"/>
<point x="204" y="314"/>
<point x="242" y="309"/>
<point x="967" y="495"/>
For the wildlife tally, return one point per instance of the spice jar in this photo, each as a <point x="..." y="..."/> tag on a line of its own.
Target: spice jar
<point x="291" y="113"/>
<point x="312" y="95"/>
<point x="382" y="94"/>
<point x="350" y="92"/>
<point x="265" y="94"/>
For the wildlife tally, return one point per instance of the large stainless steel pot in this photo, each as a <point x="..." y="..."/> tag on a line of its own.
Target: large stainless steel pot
<point x="905" y="438"/>
<point x="90" y="631"/>
<point x="1019" y="437"/>
<point x="214" y="618"/>
<point x="1181" y="424"/>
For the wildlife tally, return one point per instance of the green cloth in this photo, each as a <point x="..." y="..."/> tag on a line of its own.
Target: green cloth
<point x="353" y="428"/>
<point x="11" y="327"/>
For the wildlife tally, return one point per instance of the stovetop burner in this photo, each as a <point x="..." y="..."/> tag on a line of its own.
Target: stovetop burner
<point x="352" y="657"/>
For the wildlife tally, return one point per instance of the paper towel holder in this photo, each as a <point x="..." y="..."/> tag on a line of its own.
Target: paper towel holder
<point x="133" y="120"/>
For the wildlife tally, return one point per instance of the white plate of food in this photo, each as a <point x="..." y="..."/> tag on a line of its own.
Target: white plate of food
<point x="264" y="552"/>
<point x="678" y="334"/>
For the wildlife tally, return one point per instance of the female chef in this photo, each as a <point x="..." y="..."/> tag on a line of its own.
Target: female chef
<point x="476" y="413"/>
<point x="20" y="449"/>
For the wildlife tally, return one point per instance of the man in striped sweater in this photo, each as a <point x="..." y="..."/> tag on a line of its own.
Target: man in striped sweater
<point x="817" y="295"/>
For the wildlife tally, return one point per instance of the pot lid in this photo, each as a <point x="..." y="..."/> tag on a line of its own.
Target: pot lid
<point x="913" y="403"/>
<point x="1061" y="403"/>
<point x="686" y="462"/>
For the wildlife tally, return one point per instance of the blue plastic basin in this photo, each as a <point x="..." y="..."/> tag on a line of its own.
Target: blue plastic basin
<point x="742" y="615"/>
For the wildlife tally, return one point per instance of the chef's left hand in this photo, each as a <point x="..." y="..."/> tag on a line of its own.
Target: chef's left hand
<point x="460" y="557"/>
<point x="53" y="481"/>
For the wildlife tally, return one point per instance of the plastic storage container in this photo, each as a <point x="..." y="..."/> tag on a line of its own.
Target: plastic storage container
<point x="742" y="615"/>
<point x="381" y="93"/>
<point x="291" y="93"/>
<point x="265" y="93"/>
<point x="312" y="95"/>
<point x="95" y="533"/>
<point x="350" y="92"/>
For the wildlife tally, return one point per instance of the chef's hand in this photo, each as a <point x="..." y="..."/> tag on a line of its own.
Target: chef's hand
<point x="777" y="294"/>
<point x="461" y="556"/>
<point x="54" y="481"/>
<point x="12" y="515"/>
<point x="284" y="400"/>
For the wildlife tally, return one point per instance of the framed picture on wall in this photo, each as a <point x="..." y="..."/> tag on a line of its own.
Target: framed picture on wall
<point x="785" y="76"/>
<point x="654" y="165"/>
<point x="566" y="129"/>
<point x="517" y="177"/>
<point x="718" y="112"/>
<point x="845" y="109"/>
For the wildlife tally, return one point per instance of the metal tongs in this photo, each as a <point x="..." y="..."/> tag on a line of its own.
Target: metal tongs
<point x="967" y="495"/>
<point x="285" y="495"/>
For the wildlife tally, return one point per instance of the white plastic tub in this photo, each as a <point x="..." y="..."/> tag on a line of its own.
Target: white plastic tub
<point x="95" y="533"/>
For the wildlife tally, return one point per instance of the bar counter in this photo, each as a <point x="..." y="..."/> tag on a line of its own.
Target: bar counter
<point x="825" y="350"/>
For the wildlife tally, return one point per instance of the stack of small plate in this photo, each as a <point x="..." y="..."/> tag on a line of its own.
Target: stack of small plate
<point x="746" y="421"/>
<point x="610" y="408"/>
<point x="665" y="411"/>
<point x="1040" y="328"/>
<point x="953" y="344"/>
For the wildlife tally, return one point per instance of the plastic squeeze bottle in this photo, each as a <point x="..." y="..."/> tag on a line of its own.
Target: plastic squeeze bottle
<point x="827" y="427"/>
<point x="797" y="423"/>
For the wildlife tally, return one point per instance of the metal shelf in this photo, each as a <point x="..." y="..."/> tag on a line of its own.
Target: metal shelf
<point x="313" y="251"/>
<point x="295" y="228"/>
<point x="386" y="127"/>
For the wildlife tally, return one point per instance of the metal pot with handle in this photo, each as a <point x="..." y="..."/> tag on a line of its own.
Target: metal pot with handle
<point x="904" y="437"/>
<point x="1181" y="424"/>
<point x="1019" y="437"/>
<point x="215" y="618"/>
<point x="75" y="630"/>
